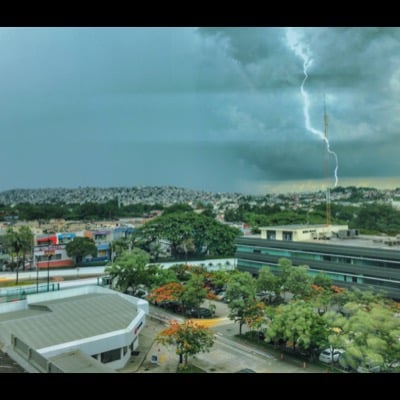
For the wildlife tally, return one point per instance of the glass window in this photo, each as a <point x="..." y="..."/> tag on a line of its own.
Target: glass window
<point x="111" y="355"/>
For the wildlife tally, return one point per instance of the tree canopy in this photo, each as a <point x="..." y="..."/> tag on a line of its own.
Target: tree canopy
<point x="189" y="337"/>
<point x="131" y="270"/>
<point x="241" y="295"/>
<point x="80" y="247"/>
<point x="19" y="244"/>
<point x="189" y="234"/>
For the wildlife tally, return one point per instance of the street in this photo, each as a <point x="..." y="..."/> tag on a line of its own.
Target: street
<point x="228" y="355"/>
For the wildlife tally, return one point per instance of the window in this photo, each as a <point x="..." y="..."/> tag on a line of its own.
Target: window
<point x="111" y="355"/>
<point x="286" y="235"/>
<point x="271" y="235"/>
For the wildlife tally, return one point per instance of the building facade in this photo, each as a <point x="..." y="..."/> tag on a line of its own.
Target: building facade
<point x="98" y="322"/>
<point x="349" y="259"/>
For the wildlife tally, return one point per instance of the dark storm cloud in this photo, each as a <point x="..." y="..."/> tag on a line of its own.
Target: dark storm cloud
<point x="189" y="107"/>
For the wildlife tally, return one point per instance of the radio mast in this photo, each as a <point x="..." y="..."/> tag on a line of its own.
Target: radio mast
<point x="328" y="194"/>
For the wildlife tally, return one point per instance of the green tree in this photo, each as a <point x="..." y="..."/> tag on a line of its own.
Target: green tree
<point x="19" y="244"/>
<point x="194" y="292"/>
<point x="322" y="280"/>
<point x="131" y="270"/>
<point x="189" y="234"/>
<point x="345" y="299"/>
<point x="162" y="277"/>
<point x="321" y="298"/>
<point x="218" y="279"/>
<point x="120" y="245"/>
<point x="378" y="218"/>
<point x="285" y="269"/>
<point x="298" y="324"/>
<point x="267" y="283"/>
<point x="189" y="338"/>
<point x="178" y="208"/>
<point x="370" y="335"/>
<point x="298" y="283"/>
<point x="240" y="293"/>
<point x="79" y="247"/>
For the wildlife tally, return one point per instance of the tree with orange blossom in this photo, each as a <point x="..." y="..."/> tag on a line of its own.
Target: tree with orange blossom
<point x="170" y="292"/>
<point x="189" y="337"/>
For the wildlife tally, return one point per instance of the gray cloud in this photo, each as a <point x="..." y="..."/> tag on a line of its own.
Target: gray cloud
<point x="191" y="107"/>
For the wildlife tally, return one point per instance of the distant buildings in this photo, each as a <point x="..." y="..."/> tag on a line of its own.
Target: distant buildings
<point x="347" y="257"/>
<point x="50" y="250"/>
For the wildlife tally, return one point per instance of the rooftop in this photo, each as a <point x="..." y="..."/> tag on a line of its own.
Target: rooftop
<point x="79" y="362"/>
<point x="52" y="322"/>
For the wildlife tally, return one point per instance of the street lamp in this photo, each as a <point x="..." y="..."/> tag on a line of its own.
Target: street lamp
<point x="49" y="254"/>
<point x="48" y="270"/>
<point x="37" y="274"/>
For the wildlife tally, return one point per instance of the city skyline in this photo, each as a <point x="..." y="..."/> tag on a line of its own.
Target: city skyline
<point x="213" y="109"/>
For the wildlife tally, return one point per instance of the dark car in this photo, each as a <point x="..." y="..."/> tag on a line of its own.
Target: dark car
<point x="200" y="313"/>
<point x="261" y="335"/>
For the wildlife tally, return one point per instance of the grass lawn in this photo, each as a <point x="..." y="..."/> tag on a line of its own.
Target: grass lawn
<point x="190" y="369"/>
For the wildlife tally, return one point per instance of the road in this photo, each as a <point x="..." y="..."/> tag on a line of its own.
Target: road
<point x="229" y="353"/>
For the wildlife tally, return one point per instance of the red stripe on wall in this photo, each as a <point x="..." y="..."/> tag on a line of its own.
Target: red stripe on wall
<point x="55" y="264"/>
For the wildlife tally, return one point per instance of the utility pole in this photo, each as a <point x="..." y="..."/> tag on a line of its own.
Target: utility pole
<point x="328" y="194"/>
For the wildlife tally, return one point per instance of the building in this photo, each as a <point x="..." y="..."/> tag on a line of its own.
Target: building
<point x="349" y="259"/>
<point x="48" y="331"/>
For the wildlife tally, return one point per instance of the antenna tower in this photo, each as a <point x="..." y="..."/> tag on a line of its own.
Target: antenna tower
<point x="328" y="194"/>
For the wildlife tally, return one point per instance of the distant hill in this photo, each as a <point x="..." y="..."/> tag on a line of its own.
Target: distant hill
<point x="164" y="195"/>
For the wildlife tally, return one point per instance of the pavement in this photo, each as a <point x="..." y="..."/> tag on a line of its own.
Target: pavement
<point x="228" y="355"/>
<point x="152" y="357"/>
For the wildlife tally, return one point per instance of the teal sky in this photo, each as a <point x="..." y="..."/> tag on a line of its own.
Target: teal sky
<point x="209" y="109"/>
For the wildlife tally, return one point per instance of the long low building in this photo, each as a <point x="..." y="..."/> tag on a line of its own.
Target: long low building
<point x="73" y="324"/>
<point x="349" y="259"/>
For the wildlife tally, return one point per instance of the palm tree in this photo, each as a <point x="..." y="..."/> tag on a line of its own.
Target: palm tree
<point x="18" y="244"/>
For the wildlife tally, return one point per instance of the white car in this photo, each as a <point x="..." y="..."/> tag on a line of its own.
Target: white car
<point x="369" y="367"/>
<point x="330" y="355"/>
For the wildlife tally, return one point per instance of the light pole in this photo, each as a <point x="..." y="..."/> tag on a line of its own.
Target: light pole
<point x="48" y="271"/>
<point x="37" y="275"/>
<point x="48" y="265"/>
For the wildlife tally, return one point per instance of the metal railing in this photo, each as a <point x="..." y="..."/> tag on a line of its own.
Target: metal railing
<point x="20" y="293"/>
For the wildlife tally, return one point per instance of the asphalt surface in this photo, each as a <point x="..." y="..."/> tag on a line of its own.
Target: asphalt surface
<point x="230" y="354"/>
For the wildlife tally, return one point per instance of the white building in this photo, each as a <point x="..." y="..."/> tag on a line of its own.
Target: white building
<point x="69" y="327"/>
<point x="298" y="233"/>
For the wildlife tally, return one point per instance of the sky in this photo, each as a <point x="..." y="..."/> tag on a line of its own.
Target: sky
<point x="214" y="109"/>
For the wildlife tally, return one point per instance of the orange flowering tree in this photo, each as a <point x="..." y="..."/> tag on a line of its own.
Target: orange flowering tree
<point x="254" y="315"/>
<point x="321" y="297"/>
<point x="189" y="337"/>
<point x="170" y="292"/>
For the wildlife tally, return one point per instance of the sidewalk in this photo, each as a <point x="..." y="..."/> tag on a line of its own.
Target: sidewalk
<point x="166" y="359"/>
<point x="228" y="355"/>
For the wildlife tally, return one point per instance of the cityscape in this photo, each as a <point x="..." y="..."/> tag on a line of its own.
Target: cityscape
<point x="200" y="200"/>
<point x="168" y="195"/>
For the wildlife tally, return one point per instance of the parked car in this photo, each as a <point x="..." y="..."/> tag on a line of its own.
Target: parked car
<point x="246" y="371"/>
<point x="261" y="335"/>
<point x="361" y="368"/>
<point x="369" y="367"/>
<point x="220" y="296"/>
<point x="200" y="313"/>
<point x="330" y="355"/>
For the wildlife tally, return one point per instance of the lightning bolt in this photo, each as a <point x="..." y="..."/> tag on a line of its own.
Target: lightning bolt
<point x="302" y="51"/>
